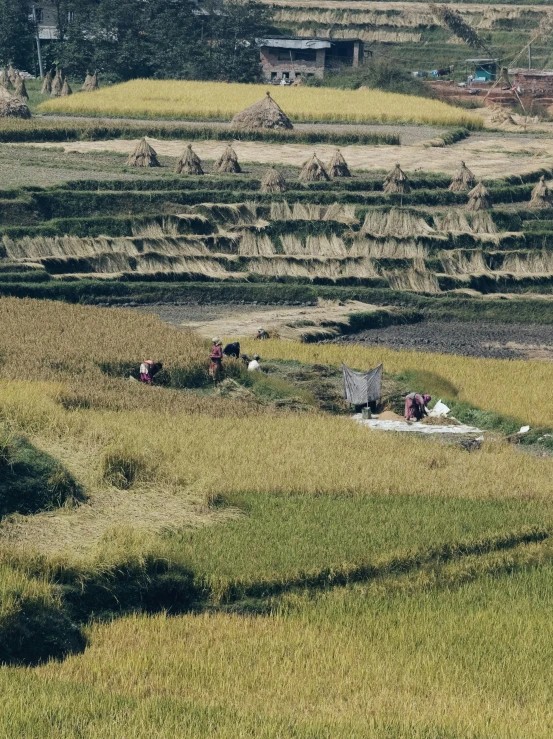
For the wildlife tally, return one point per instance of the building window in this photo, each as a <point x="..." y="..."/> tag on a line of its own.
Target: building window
<point x="306" y="55"/>
<point x="298" y="74"/>
<point x="273" y="75"/>
<point x="285" y="75"/>
<point x="38" y="14"/>
<point x="285" y="56"/>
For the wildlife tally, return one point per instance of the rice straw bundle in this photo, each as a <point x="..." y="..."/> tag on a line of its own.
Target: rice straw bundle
<point x="464" y="180"/>
<point x="66" y="89"/>
<point x="264" y="114"/>
<point x="57" y="84"/>
<point x="12" y="74"/>
<point x="479" y="198"/>
<point x="189" y="162"/>
<point x="12" y="107"/>
<point x="273" y="181"/>
<point x="20" y="89"/>
<point x="541" y="195"/>
<point x="4" y="79"/>
<point x="143" y="156"/>
<point x="228" y="161"/>
<point x="313" y="171"/>
<point x="396" y="182"/>
<point x="337" y="167"/>
<point x="46" y="88"/>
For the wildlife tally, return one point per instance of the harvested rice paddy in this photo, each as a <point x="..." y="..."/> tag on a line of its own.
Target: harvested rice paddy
<point x="488" y="156"/>
<point x="178" y="99"/>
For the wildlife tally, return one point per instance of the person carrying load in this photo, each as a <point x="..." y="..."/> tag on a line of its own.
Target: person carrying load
<point x="416" y="406"/>
<point x="216" y="359"/>
<point x="261" y="334"/>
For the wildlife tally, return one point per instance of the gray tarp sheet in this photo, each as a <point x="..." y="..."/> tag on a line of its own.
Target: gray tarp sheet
<point x="361" y="388"/>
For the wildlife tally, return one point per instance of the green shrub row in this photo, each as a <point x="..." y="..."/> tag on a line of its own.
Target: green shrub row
<point x="38" y="130"/>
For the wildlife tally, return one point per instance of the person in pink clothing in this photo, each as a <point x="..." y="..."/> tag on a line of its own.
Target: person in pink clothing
<point x="146" y="371"/>
<point x="416" y="406"/>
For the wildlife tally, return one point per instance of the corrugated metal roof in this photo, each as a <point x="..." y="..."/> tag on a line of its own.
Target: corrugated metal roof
<point x="294" y="43"/>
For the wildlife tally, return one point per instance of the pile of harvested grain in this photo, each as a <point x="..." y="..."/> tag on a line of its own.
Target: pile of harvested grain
<point x="12" y="107"/>
<point x="228" y="161"/>
<point x="396" y="222"/>
<point x="273" y="181"/>
<point x="4" y="79"/>
<point x="264" y="114"/>
<point x="479" y="198"/>
<point x="189" y="162"/>
<point x="464" y="180"/>
<point x="454" y="221"/>
<point x="440" y="421"/>
<point x="396" y="182"/>
<point x="143" y="156"/>
<point x="541" y="195"/>
<point x="20" y="89"/>
<point x="65" y="89"/>
<point x="313" y="171"/>
<point x="91" y="83"/>
<point x="57" y="83"/>
<point x="46" y="88"/>
<point x="337" y="166"/>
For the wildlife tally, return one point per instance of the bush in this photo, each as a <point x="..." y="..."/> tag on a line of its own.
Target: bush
<point x="123" y="468"/>
<point x="33" y="624"/>
<point x="32" y="481"/>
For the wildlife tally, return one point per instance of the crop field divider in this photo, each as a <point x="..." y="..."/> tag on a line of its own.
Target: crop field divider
<point x="221" y="591"/>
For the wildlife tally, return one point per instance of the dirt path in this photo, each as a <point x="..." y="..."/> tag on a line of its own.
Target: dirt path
<point x="234" y="321"/>
<point x="488" y="157"/>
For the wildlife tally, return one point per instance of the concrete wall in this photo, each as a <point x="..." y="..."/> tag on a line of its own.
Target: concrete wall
<point x="278" y="62"/>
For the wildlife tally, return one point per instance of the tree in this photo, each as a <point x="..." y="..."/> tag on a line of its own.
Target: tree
<point x="16" y="34"/>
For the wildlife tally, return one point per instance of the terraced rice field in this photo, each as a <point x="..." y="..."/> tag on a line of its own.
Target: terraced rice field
<point x="220" y="101"/>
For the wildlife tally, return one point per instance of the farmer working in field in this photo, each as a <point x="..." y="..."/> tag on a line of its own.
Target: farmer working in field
<point x="148" y="370"/>
<point x="416" y="406"/>
<point x="216" y="359"/>
<point x="261" y="334"/>
<point x="254" y="365"/>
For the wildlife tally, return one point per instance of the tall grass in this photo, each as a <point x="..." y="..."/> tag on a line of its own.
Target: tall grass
<point x="464" y="661"/>
<point x="220" y="101"/>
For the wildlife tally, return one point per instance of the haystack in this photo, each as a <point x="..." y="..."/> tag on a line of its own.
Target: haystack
<point x="66" y="89"/>
<point x="4" y="79"/>
<point x="228" y="161"/>
<point x="189" y="162"/>
<point x="20" y="89"/>
<point x="57" y="84"/>
<point x="143" y="156"/>
<point x="337" y="167"/>
<point x="541" y="195"/>
<point x="396" y="181"/>
<point x="12" y="107"/>
<point x="479" y="198"/>
<point x="46" y="88"/>
<point x="90" y="83"/>
<point x="313" y="171"/>
<point x="12" y="74"/>
<point x="264" y="114"/>
<point x="273" y="181"/>
<point x="464" y="180"/>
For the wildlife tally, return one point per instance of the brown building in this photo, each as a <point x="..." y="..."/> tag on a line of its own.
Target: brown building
<point x="295" y="58"/>
<point x="535" y="82"/>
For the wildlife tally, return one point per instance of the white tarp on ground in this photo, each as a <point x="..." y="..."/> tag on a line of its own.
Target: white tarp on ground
<point x="414" y="427"/>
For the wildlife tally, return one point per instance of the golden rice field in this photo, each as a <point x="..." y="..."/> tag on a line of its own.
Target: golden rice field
<point x="221" y="101"/>
<point x="513" y="388"/>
